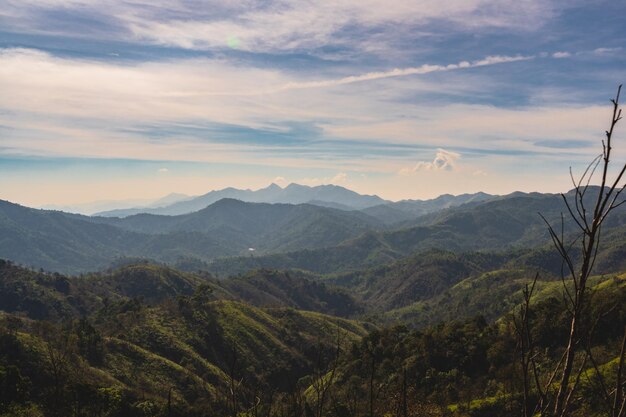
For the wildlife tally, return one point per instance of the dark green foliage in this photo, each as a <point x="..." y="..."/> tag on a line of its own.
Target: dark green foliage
<point x="89" y="342"/>
<point x="151" y="283"/>
<point x="470" y="365"/>
<point x="317" y="239"/>
<point x="490" y="294"/>
<point x="406" y="211"/>
<point x="40" y="295"/>
<point x="14" y="388"/>
<point x="270" y="288"/>
<point x="503" y="224"/>
<point x="130" y="356"/>
<point x="419" y="277"/>
<point x="54" y="297"/>
<point x="72" y="243"/>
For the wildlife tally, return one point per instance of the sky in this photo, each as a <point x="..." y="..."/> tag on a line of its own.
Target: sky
<point x="114" y="100"/>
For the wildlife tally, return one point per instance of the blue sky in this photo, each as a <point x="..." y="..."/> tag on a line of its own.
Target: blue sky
<point x="106" y="100"/>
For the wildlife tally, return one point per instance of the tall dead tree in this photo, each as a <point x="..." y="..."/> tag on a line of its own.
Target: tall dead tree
<point x="525" y="347"/>
<point x="556" y="391"/>
<point x="324" y="373"/>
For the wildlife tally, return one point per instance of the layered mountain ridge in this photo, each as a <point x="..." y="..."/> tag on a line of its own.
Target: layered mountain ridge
<point x="238" y="236"/>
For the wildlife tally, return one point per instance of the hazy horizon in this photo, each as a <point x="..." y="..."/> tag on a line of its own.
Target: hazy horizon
<point x="86" y="198"/>
<point x="97" y="206"/>
<point x="114" y="100"/>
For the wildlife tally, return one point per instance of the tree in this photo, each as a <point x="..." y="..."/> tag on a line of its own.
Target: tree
<point x="324" y="373"/>
<point x="589" y="212"/>
<point x="90" y="342"/>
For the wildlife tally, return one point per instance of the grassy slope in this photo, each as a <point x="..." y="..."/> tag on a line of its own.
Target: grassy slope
<point x="151" y="349"/>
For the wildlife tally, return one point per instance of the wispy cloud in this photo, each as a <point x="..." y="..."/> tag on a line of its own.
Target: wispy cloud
<point x="402" y="72"/>
<point x="281" y="181"/>
<point x="340" y="179"/>
<point x="606" y="51"/>
<point x="163" y="88"/>
<point x="561" y="54"/>
<point x="272" y="25"/>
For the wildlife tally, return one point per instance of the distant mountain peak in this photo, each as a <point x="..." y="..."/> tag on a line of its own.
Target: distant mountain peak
<point x="176" y="195"/>
<point x="293" y="185"/>
<point x="328" y="195"/>
<point x="273" y="186"/>
<point x="226" y="202"/>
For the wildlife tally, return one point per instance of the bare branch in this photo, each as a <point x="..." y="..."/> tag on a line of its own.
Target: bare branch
<point x="582" y="228"/>
<point x="568" y="400"/>
<point x="618" y="384"/>
<point x="558" y="243"/>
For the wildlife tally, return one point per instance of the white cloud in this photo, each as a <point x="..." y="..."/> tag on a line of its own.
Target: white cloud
<point x="561" y="54"/>
<point x="87" y="106"/>
<point x="444" y="161"/>
<point x="90" y="108"/>
<point x="34" y="81"/>
<point x="606" y="51"/>
<point x="281" y="181"/>
<point x="163" y="170"/>
<point x="340" y="178"/>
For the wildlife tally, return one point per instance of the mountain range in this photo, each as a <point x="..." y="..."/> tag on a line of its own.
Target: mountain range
<point x="93" y="207"/>
<point x="73" y="243"/>
<point x="235" y="236"/>
<point x="496" y="224"/>
<point x="324" y="195"/>
<point x="332" y="196"/>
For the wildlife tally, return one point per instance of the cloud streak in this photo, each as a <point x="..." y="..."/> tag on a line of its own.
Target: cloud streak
<point x="403" y="72"/>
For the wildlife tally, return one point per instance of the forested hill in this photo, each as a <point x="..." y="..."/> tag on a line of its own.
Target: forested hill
<point x="318" y="239"/>
<point x="54" y="296"/>
<point x="146" y="337"/>
<point x="500" y="224"/>
<point x="71" y="243"/>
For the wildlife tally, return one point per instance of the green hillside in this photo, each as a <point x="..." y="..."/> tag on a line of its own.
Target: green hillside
<point x="174" y="345"/>
<point x="149" y="340"/>
<point x="71" y="243"/>
<point x="277" y="236"/>
<point x="500" y="224"/>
